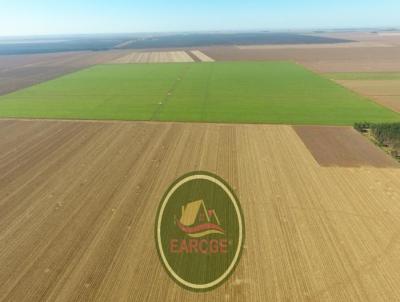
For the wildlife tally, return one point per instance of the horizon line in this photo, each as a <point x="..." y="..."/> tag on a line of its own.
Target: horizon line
<point x="255" y="30"/>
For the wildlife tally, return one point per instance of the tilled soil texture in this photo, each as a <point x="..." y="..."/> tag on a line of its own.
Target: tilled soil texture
<point x="337" y="58"/>
<point x="78" y="202"/>
<point x="342" y="147"/>
<point x="384" y="92"/>
<point x="154" y="57"/>
<point x="20" y="71"/>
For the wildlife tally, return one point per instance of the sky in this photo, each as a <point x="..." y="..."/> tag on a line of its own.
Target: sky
<point x="43" y="17"/>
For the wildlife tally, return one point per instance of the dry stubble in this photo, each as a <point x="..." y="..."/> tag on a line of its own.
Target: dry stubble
<point x="154" y="57"/>
<point x="78" y="202"/>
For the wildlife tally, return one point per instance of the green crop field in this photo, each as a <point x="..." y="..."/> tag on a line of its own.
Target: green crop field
<point x="242" y="92"/>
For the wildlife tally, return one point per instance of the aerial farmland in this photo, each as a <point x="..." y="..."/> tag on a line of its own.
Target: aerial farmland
<point x="225" y="92"/>
<point x="90" y="141"/>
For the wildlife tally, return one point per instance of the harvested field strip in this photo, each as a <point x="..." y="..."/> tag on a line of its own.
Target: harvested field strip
<point x="223" y="92"/>
<point x="77" y="214"/>
<point x="154" y="57"/>
<point x="201" y="56"/>
<point x="342" y="147"/>
<point x="363" y="76"/>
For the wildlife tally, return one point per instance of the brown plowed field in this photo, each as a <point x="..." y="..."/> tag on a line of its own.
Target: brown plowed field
<point x="78" y="202"/>
<point x="373" y="87"/>
<point x="390" y="101"/>
<point x="334" y="59"/>
<point x="384" y="92"/>
<point x="20" y="71"/>
<point x="342" y="147"/>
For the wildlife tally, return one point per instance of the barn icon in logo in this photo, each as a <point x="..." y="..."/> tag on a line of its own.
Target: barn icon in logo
<point x="199" y="231"/>
<point x="197" y="221"/>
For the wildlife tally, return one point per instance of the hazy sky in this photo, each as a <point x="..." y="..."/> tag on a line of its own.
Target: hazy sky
<point x="25" y="17"/>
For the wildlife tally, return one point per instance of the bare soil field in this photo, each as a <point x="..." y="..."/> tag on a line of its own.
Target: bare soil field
<point x="390" y="101"/>
<point x="385" y="92"/>
<point x="154" y="57"/>
<point x="319" y="59"/>
<point x="20" y="71"/>
<point x="314" y="46"/>
<point x="201" y="56"/>
<point x="78" y="202"/>
<point x="342" y="147"/>
<point x="373" y="87"/>
<point x="388" y="38"/>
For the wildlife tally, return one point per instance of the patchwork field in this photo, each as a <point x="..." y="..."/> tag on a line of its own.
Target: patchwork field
<point x="78" y="203"/>
<point x="78" y="199"/>
<point x="240" y="92"/>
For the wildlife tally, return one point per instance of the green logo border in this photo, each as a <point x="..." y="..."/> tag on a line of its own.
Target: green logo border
<point x="241" y="218"/>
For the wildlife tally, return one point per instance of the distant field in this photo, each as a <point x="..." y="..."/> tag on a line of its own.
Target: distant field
<point x="232" y="92"/>
<point x="363" y="75"/>
<point x="21" y="71"/>
<point x="323" y="58"/>
<point x="208" y="39"/>
<point x="33" y="45"/>
<point x="49" y="44"/>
